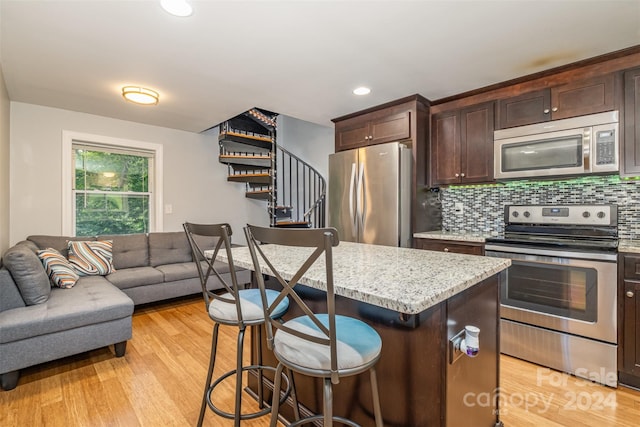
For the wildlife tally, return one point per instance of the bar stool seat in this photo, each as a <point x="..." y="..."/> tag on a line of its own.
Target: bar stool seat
<point x="251" y="306"/>
<point x="358" y="345"/>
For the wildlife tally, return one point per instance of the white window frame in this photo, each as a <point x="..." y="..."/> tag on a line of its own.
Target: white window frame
<point x="106" y="142"/>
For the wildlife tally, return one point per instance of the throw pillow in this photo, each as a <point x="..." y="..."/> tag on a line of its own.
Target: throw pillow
<point x="27" y="271"/>
<point x="58" y="268"/>
<point x="92" y="258"/>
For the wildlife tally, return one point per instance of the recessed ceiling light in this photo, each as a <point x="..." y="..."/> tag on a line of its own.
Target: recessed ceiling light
<point x="361" y="90"/>
<point x="140" y="95"/>
<point x="177" y="7"/>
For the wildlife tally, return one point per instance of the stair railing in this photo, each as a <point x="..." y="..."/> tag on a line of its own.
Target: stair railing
<point x="300" y="187"/>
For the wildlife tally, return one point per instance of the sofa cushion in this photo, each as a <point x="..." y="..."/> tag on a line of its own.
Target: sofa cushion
<point x="60" y="271"/>
<point x="168" y="248"/>
<point x="92" y="300"/>
<point x="29" y="244"/>
<point x="28" y="273"/>
<point x="188" y="270"/>
<point x="92" y="258"/>
<point x="59" y="243"/>
<point x="129" y="250"/>
<point x="135" y="276"/>
<point x="9" y="294"/>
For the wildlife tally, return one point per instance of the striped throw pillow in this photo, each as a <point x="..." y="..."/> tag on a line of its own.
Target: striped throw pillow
<point x="61" y="273"/>
<point x="92" y="258"/>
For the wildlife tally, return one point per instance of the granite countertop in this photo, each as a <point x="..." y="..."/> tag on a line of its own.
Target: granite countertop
<point x="631" y="246"/>
<point x="447" y="235"/>
<point x="401" y="279"/>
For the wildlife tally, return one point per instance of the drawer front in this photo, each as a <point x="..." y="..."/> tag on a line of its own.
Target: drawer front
<point x="632" y="267"/>
<point x="450" y="246"/>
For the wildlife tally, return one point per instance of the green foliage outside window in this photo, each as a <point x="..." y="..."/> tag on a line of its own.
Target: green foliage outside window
<point x="112" y="193"/>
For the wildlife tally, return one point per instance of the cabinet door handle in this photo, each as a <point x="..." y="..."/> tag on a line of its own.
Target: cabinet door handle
<point x="446" y="249"/>
<point x="554" y="109"/>
<point x="457" y="175"/>
<point x="546" y="111"/>
<point x="462" y="174"/>
<point x="630" y="294"/>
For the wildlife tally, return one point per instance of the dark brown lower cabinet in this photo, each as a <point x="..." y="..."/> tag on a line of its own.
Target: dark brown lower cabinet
<point x="629" y="322"/>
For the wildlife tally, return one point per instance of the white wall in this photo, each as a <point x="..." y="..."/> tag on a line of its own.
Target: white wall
<point x="4" y="165"/>
<point x="194" y="181"/>
<point x="311" y="142"/>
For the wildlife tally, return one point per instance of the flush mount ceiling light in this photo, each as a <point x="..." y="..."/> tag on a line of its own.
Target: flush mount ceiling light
<point x="140" y="95"/>
<point x="177" y="7"/>
<point x="361" y="90"/>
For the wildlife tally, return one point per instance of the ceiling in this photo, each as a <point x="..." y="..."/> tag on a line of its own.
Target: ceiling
<point x="299" y="58"/>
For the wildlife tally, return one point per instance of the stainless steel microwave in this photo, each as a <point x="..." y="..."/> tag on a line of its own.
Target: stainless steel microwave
<point x="576" y="146"/>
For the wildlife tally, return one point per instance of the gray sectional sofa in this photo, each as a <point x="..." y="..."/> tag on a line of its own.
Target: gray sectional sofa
<point x="40" y="323"/>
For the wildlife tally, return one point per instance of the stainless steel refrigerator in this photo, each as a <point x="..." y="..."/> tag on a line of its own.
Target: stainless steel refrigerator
<point x="370" y="194"/>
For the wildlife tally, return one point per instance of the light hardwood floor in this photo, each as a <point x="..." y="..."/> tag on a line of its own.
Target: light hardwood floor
<point x="160" y="380"/>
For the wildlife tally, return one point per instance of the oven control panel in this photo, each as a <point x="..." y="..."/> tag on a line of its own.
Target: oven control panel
<point x="605" y="215"/>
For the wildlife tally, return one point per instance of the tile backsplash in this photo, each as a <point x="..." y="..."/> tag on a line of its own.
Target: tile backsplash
<point x="483" y="205"/>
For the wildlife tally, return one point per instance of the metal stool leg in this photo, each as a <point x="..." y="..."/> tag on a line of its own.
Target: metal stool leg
<point x="239" y="352"/>
<point x="294" y="395"/>
<point x="275" y="401"/>
<point x="376" y="397"/>
<point x="258" y="345"/>
<point x="212" y="362"/>
<point x="328" y="403"/>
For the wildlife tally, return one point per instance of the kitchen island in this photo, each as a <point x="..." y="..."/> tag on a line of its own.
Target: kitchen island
<point x="417" y="301"/>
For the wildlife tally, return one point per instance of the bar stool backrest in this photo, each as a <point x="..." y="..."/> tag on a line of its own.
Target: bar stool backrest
<point x="200" y="234"/>
<point x="320" y="241"/>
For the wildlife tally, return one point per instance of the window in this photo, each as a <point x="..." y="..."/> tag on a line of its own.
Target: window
<point x="111" y="186"/>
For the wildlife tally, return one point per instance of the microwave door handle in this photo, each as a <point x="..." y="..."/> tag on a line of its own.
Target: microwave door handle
<point x="586" y="151"/>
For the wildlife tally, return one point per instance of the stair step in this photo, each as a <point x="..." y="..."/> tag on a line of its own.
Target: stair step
<point x="238" y="142"/>
<point x="261" y="118"/>
<point x="246" y="160"/>
<point x="293" y="224"/>
<point x="283" y="211"/>
<point x="252" y="178"/>
<point x="258" y="194"/>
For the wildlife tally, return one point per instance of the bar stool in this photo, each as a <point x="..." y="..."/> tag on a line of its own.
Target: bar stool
<point x="235" y="307"/>
<point x="327" y="345"/>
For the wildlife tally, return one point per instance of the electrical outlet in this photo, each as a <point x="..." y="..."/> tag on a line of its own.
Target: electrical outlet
<point x="168" y="209"/>
<point x="458" y="208"/>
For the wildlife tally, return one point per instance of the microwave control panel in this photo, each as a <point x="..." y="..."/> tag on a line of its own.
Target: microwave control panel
<point x="605" y="147"/>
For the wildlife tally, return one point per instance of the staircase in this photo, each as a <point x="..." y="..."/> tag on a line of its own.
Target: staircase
<point x="294" y="191"/>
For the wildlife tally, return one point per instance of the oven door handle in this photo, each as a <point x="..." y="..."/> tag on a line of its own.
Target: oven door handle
<point x="599" y="256"/>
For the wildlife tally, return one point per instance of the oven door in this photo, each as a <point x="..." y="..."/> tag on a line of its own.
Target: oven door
<point x="570" y="292"/>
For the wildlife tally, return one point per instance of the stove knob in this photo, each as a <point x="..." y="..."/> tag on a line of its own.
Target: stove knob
<point x="515" y="214"/>
<point x="601" y="214"/>
<point x="586" y="214"/>
<point x="526" y="214"/>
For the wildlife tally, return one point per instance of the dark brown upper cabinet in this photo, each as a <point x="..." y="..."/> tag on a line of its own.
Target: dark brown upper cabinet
<point x="373" y="128"/>
<point x="462" y="145"/>
<point x="630" y="141"/>
<point x="578" y="98"/>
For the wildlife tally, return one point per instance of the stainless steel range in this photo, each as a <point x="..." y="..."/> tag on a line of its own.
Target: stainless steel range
<point x="558" y="298"/>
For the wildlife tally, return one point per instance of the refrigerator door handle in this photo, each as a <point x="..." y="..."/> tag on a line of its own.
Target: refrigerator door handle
<point x="361" y="201"/>
<point x="353" y="216"/>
